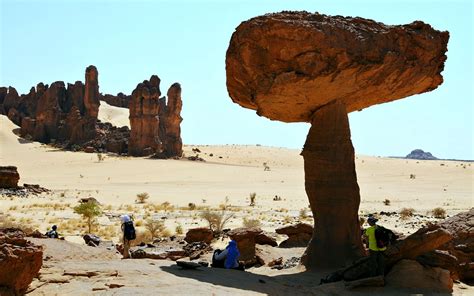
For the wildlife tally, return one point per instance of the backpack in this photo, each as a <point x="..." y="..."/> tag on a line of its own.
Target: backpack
<point x="384" y="237"/>
<point x="129" y="230"/>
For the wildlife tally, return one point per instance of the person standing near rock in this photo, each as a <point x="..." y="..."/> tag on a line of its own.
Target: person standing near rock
<point x="376" y="252"/>
<point x="128" y="235"/>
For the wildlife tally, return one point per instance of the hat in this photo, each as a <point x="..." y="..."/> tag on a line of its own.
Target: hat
<point x="372" y="219"/>
<point x="125" y="218"/>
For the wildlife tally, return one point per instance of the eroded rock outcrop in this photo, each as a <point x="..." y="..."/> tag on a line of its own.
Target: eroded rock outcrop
<point x="245" y="239"/>
<point x="298" y="235"/>
<point x="9" y="177"/>
<point x="155" y="123"/>
<point x="304" y="67"/>
<point x="20" y="260"/>
<point x="200" y="234"/>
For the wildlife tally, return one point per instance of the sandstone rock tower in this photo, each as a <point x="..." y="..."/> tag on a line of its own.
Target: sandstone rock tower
<point x="155" y="124"/>
<point x="304" y="67"/>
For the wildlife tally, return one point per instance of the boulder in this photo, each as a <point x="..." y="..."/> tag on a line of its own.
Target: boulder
<point x="20" y="260"/>
<point x="461" y="227"/>
<point x="91" y="240"/>
<point x="266" y="239"/>
<point x="245" y="239"/>
<point x="9" y="177"/>
<point x="298" y="235"/>
<point x="443" y="259"/>
<point x="310" y="67"/>
<point x="201" y="234"/>
<point x="411" y="276"/>
<point x="422" y="241"/>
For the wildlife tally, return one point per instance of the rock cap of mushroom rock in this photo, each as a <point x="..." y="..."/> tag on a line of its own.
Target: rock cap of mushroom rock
<point x="287" y="65"/>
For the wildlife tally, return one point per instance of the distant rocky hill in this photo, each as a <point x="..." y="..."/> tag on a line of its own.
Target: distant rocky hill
<point x="420" y="154"/>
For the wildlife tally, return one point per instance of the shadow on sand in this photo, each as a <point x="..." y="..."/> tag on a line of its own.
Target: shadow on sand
<point x="298" y="283"/>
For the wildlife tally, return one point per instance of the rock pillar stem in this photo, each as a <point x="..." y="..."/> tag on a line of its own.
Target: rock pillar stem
<point x="332" y="189"/>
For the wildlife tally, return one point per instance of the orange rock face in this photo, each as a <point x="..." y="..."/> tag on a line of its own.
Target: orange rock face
<point x="20" y="260"/>
<point x="155" y="124"/>
<point x="303" y="67"/>
<point x="287" y="65"/>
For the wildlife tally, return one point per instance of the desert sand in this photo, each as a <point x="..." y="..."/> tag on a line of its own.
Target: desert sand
<point x="225" y="179"/>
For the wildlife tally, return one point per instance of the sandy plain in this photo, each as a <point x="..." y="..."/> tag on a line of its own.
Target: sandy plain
<point x="225" y="179"/>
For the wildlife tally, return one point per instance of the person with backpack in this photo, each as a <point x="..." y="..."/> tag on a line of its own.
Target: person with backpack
<point x="377" y="246"/>
<point x="128" y="235"/>
<point x="53" y="233"/>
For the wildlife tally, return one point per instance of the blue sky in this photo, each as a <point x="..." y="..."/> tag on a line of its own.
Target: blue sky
<point x="186" y="41"/>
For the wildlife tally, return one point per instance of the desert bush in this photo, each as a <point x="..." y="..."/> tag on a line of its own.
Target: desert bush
<point x="287" y="220"/>
<point x="179" y="229"/>
<point x="386" y="202"/>
<point x="439" y="213"/>
<point x="405" y="213"/>
<point x="142" y="197"/>
<point x="412" y="176"/>
<point x="89" y="211"/>
<point x="253" y="197"/>
<point x="191" y="206"/>
<point x="249" y="223"/>
<point x="266" y="167"/>
<point x="303" y="213"/>
<point x="155" y="228"/>
<point x="216" y="219"/>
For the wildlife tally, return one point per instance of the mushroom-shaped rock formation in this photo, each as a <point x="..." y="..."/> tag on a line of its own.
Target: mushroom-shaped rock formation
<point x="305" y="67"/>
<point x="245" y="239"/>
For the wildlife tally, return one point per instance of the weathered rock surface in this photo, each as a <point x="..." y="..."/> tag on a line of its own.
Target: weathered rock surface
<point x="412" y="276"/>
<point x="266" y="239"/>
<point x="332" y="189"/>
<point x="422" y="241"/>
<point x="245" y="239"/>
<point x="303" y="67"/>
<point x="170" y="124"/>
<point x="20" y="260"/>
<point x="287" y="65"/>
<point x="298" y="235"/>
<point x="9" y="177"/>
<point x="201" y="234"/>
<point x="461" y="227"/>
<point x="155" y="123"/>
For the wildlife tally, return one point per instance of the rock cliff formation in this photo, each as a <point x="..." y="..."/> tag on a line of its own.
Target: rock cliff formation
<point x="67" y="117"/>
<point x="155" y="123"/>
<point x="304" y="67"/>
<point x="56" y="113"/>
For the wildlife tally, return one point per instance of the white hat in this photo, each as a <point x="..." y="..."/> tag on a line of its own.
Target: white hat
<point x="125" y="218"/>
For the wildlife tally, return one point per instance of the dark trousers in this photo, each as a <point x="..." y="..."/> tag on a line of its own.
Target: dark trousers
<point x="377" y="259"/>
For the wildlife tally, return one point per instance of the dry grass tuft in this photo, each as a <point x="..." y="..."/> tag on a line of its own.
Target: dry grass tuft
<point x="406" y="213"/>
<point x="439" y="213"/>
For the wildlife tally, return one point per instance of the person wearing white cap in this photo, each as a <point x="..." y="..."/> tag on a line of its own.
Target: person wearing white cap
<point x="128" y="234"/>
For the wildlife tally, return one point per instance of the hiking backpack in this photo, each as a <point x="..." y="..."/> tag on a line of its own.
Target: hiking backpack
<point x="384" y="237"/>
<point x="129" y="231"/>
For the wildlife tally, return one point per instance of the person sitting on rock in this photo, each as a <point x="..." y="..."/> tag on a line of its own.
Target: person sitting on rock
<point x="376" y="253"/>
<point x="228" y="258"/>
<point x="53" y="233"/>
